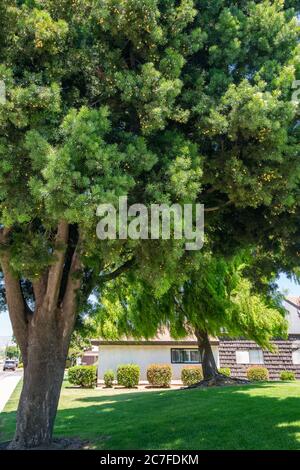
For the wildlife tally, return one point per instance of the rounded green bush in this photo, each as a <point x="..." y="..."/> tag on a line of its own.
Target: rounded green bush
<point x="109" y="377"/>
<point x="159" y="375"/>
<point x="225" y="371"/>
<point x="84" y="376"/>
<point x="257" y="374"/>
<point x="287" y="375"/>
<point x="128" y="375"/>
<point x="191" y="375"/>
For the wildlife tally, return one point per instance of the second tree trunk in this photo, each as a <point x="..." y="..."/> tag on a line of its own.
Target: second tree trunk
<point x="209" y="366"/>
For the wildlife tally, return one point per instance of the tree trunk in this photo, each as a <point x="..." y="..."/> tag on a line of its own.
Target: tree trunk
<point x="43" y="375"/>
<point x="211" y="375"/>
<point x="209" y="365"/>
<point x="43" y="335"/>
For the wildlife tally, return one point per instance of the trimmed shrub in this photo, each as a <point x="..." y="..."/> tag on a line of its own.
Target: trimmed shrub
<point x="191" y="375"/>
<point x="109" y="377"/>
<point x="287" y="375"/>
<point x="84" y="376"/>
<point x="225" y="371"/>
<point x="159" y="375"/>
<point x="257" y="374"/>
<point x="128" y="375"/>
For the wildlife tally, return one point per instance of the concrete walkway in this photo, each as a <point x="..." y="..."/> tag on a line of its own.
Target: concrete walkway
<point x="7" y="385"/>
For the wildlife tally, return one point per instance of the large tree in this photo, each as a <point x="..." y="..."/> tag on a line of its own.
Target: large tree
<point x="162" y="101"/>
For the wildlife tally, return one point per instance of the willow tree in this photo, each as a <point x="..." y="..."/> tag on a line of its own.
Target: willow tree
<point x="212" y="298"/>
<point x="161" y="101"/>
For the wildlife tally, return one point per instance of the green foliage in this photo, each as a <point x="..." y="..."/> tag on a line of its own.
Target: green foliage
<point x="159" y="375"/>
<point x="12" y="352"/>
<point x="257" y="374"/>
<point x="107" y="99"/>
<point x="287" y="375"/>
<point x="84" y="376"/>
<point x="191" y="375"/>
<point x="109" y="377"/>
<point x="212" y="294"/>
<point x="128" y="375"/>
<point x="225" y="371"/>
<point x="78" y="344"/>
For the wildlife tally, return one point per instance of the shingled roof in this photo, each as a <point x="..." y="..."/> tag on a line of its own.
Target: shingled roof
<point x="163" y="337"/>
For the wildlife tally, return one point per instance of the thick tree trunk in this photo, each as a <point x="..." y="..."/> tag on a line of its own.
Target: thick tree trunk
<point x="211" y="375"/>
<point x="43" y="335"/>
<point x="209" y="365"/>
<point x="43" y="376"/>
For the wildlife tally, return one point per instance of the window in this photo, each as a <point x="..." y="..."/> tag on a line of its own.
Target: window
<point x="296" y="357"/>
<point x="252" y="356"/>
<point x="185" y="356"/>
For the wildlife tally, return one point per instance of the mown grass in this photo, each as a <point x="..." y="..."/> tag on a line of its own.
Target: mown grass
<point x="265" y="416"/>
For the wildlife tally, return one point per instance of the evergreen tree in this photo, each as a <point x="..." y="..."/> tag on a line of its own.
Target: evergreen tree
<point x="159" y="100"/>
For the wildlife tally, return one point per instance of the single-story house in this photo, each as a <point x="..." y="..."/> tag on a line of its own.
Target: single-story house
<point x="159" y="350"/>
<point x="236" y="353"/>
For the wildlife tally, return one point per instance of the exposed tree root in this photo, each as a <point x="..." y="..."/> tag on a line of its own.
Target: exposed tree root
<point x="218" y="380"/>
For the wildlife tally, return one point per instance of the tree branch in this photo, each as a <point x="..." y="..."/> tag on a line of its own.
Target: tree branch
<point x="13" y="294"/>
<point x="117" y="272"/>
<point x="216" y="208"/>
<point x="56" y="270"/>
<point x="69" y="303"/>
<point x="39" y="289"/>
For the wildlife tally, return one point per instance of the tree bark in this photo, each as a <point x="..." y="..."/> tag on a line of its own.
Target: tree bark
<point x="211" y="375"/>
<point x="209" y="366"/>
<point x="43" y="376"/>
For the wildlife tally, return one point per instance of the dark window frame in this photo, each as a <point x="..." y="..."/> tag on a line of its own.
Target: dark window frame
<point x="184" y="349"/>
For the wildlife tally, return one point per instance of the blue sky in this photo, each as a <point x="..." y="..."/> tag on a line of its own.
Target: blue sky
<point x="285" y="285"/>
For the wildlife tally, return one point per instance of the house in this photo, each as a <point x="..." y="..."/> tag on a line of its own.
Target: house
<point x="159" y="350"/>
<point x="90" y="357"/>
<point x="236" y="353"/>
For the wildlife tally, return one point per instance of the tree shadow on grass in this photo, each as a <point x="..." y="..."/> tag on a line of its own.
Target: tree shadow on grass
<point x="244" y="417"/>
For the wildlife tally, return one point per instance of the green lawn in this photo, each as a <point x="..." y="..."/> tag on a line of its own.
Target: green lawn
<point x="265" y="416"/>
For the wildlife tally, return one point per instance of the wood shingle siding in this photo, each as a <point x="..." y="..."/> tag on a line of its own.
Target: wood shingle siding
<point x="274" y="362"/>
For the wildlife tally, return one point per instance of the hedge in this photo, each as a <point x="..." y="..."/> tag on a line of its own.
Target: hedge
<point x="84" y="376"/>
<point x="159" y="375"/>
<point x="257" y="374"/>
<point x="191" y="375"/>
<point x="225" y="371"/>
<point x="287" y="375"/>
<point x="109" y="377"/>
<point x="128" y="375"/>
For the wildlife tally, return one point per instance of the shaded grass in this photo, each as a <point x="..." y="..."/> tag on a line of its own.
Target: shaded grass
<point x="265" y="416"/>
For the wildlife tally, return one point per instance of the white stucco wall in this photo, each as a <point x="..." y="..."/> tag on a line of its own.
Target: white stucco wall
<point x="293" y="318"/>
<point x="111" y="356"/>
